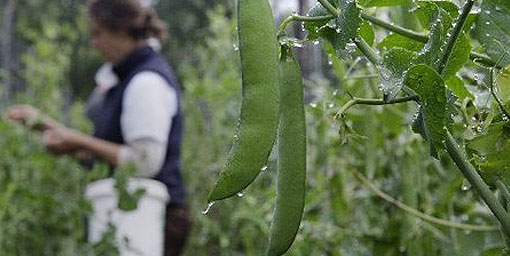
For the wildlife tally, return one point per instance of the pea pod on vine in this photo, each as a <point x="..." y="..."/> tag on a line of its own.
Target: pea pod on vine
<point x="291" y="145"/>
<point x="256" y="132"/>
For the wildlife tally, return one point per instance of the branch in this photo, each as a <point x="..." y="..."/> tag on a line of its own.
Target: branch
<point x="292" y="18"/>
<point x="504" y="192"/>
<point x="420" y="37"/>
<point x="477" y="182"/>
<point x="331" y="9"/>
<point x="457" y="29"/>
<point x="423" y="38"/>
<point x="367" y="50"/>
<point x="418" y="214"/>
<point x="360" y="101"/>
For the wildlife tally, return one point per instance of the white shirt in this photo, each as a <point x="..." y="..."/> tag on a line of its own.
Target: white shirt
<point x="149" y="104"/>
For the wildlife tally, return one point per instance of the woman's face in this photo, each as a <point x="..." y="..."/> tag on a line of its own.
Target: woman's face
<point x="108" y="43"/>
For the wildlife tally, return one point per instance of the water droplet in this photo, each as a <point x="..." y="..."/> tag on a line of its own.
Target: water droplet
<point x="402" y="248"/>
<point x="313" y="105"/>
<point x="487" y="35"/>
<point x="487" y="12"/>
<point x="498" y="8"/>
<point x="464" y="217"/>
<point x="240" y="194"/>
<point x="505" y="118"/>
<point x="236" y="48"/>
<point x="467" y="231"/>
<point x="263" y="168"/>
<point x="331" y="105"/>
<point x="316" y="42"/>
<point x="335" y="92"/>
<point x="487" y="23"/>
<point x="330" y="62"/>
<point x="208" y="208"/>
<point x="465" y="185"/>
<point x="236" y="137"/>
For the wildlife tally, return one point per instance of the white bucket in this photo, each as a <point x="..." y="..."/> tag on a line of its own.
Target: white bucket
<point x="143" y="227"/>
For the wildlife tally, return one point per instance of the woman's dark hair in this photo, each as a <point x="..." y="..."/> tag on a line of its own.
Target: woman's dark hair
<point x="128" y="15"/>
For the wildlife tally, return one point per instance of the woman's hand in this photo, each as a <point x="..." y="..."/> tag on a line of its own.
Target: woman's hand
<point x="30" y="116"/>
<point x="22" y="113"/>
<point x="61" y="140"/>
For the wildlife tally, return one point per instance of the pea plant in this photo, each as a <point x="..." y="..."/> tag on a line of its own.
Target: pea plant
<point x="433" y="67"/>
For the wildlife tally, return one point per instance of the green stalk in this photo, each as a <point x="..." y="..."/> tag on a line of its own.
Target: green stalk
<point x="423" y="38"/>
<point x="373" y="102"/>
<point x="412" y="211"/>
<point x="396" y="29"/>
<point x="477" y="182"/>
<point x="331" y="9"/>
<point x="504" y="193"/>
<point x="367" y="50"/>
<point x="457" y="29"/>
<point x="292" y="18"/>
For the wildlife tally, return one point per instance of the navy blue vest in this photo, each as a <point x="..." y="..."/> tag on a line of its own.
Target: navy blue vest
<point x="107" y="119"/>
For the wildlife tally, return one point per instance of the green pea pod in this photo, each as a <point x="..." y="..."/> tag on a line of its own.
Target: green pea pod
<point x="291" y="143"/>
<point x="256" y="132"/>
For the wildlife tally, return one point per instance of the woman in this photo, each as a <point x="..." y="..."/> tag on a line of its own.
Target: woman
<point x="135" y="107"/>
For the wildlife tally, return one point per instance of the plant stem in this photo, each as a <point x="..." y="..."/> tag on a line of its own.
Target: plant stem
<point x="423" y="38"/>
<point x="396" y="29"/>
<point x="360" y="101"/>
<point x="367" y="50"/>
<point x="477" y="182"/>
<point x="496" y="98"/>
<point x="504" y="192"/>
<point x="416" y="213"/>
<point x="292" y="18"/>
<point x="331" y="9"/>
<point x="457" y="29"/>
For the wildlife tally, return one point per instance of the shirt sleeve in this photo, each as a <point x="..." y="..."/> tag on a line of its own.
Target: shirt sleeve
<point x="149" y="104"/>
<point x="147" y="155"/>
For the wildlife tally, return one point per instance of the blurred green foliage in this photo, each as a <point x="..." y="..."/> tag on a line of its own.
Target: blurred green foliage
<point x="342" y="217"/>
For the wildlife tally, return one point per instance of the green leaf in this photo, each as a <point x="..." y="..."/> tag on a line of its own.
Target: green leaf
<point x="434" y="49"/>
<point x="429" y="86"/>
<point x="394" y="64"/>
<point x="458" y="88"/>
<point x="503" y="85"/>
<point x="377" y="3"/>
<point x="366" y="31"/>
<point x="313" y="27"/>
<point x="339" y="31"/>
<point x="426" y="11"/>
<point x="493" y="30"/>
<point x="399" y="41"/>
<point x="491" y="151"/>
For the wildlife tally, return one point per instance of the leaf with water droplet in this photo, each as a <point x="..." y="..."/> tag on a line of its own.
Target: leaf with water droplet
<point x="394" y="64"/>
<point x="433" y="50"/>
<point x="493" y="30"/>
<point x="346" y="27"/>
<point x="426" y="11"/>
<point x="458" y="87"/>
<point x="429" y="85"/>
<point x="489" y="152"/>
<point x="399" y="41"/>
